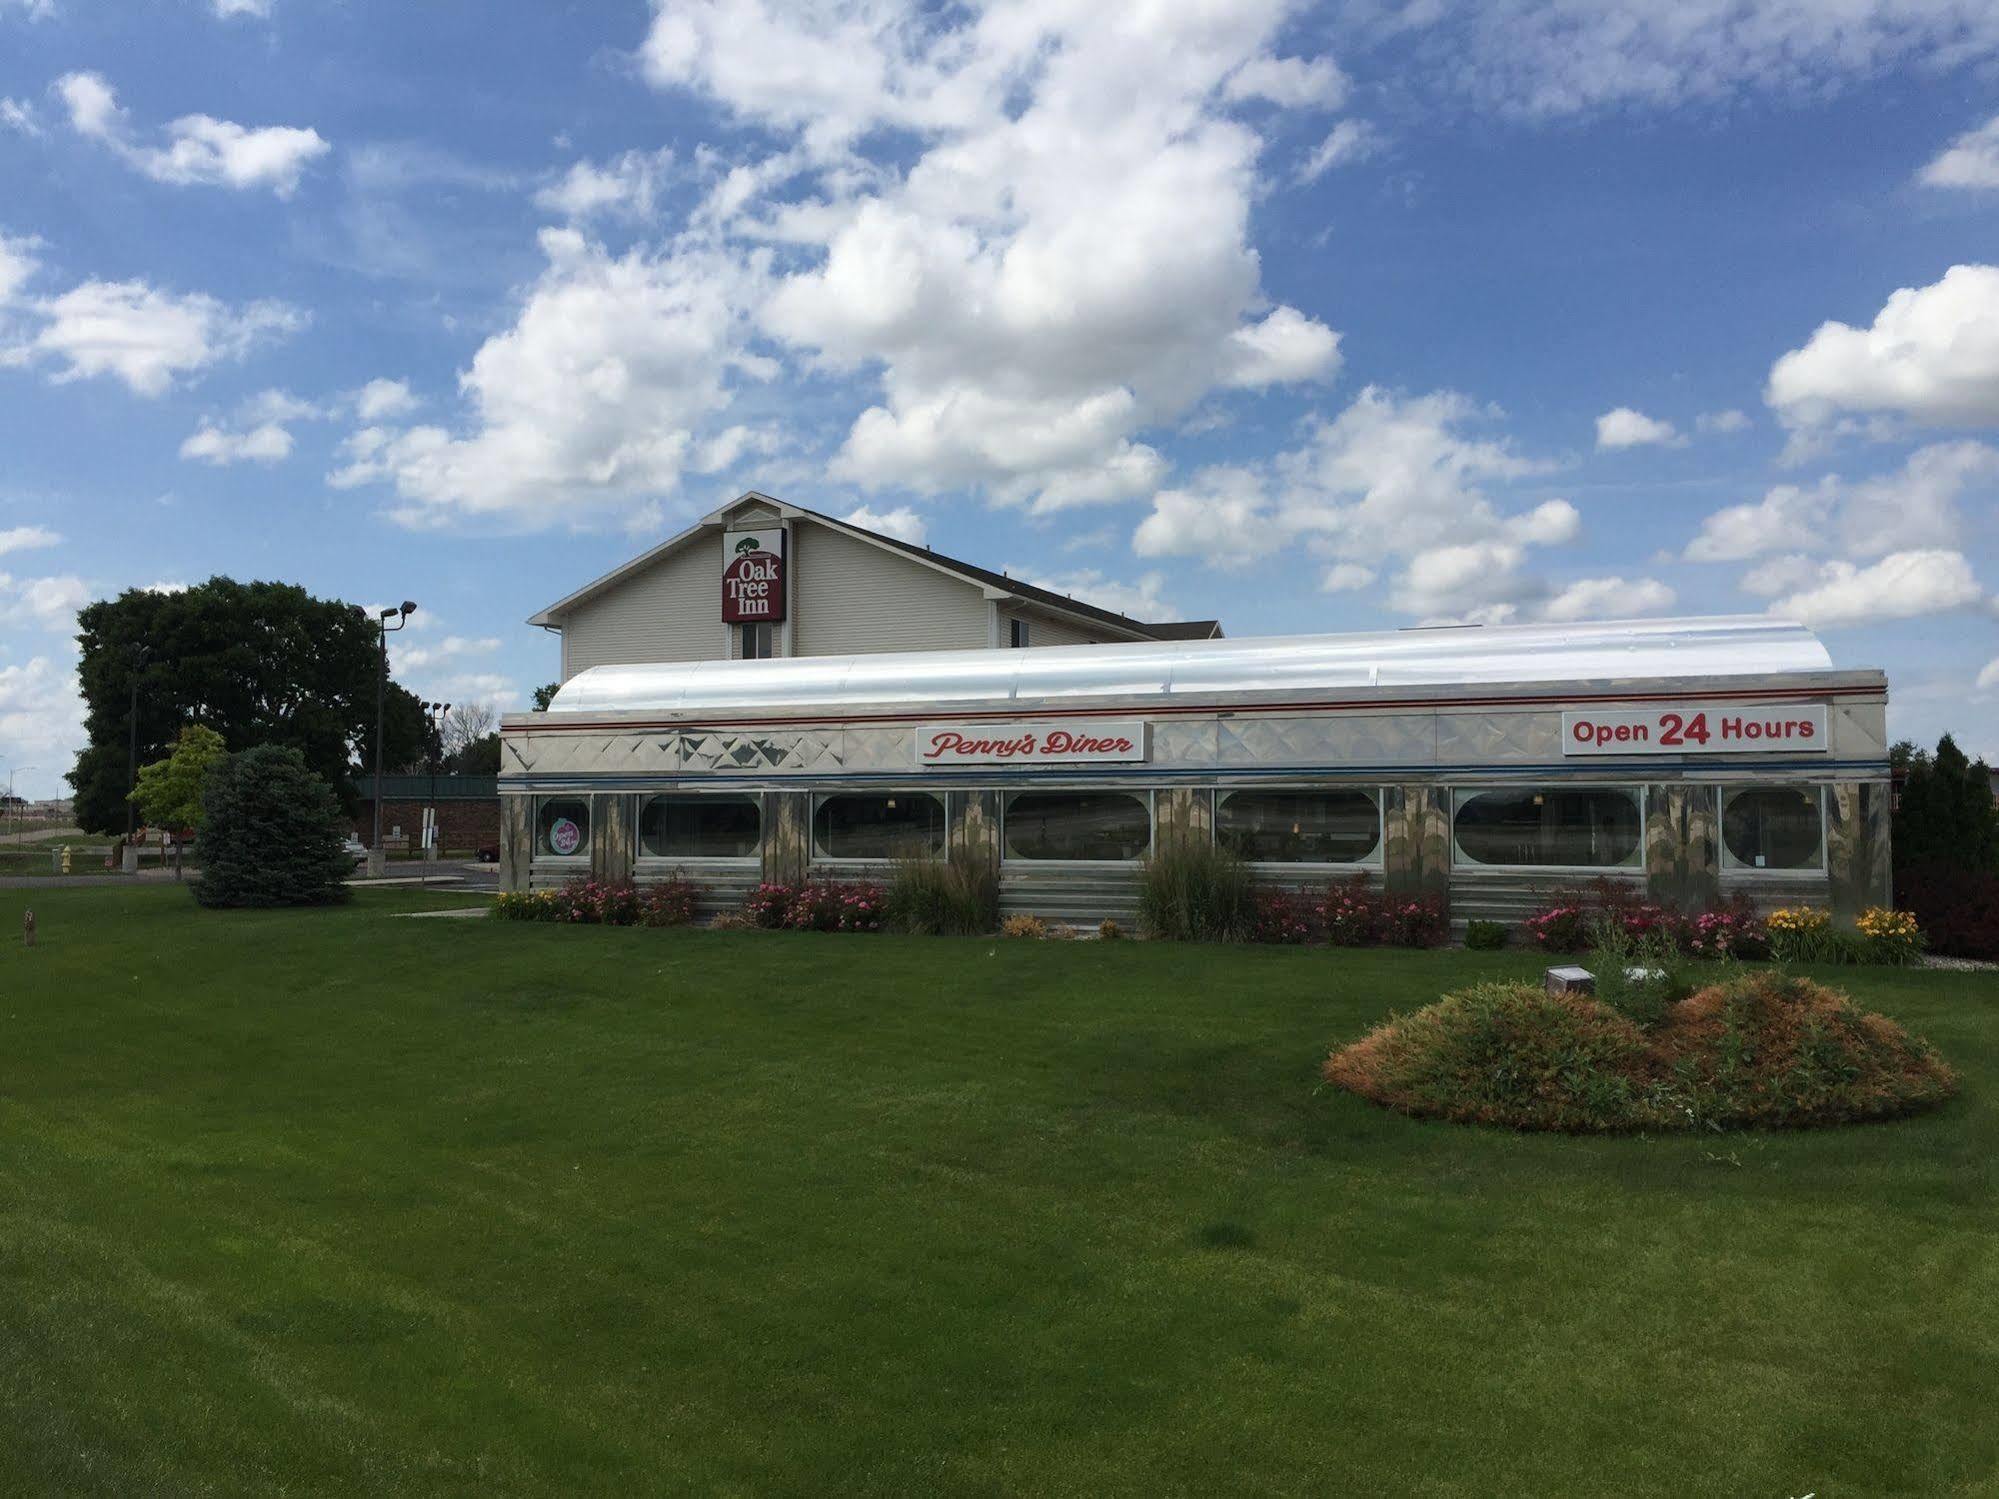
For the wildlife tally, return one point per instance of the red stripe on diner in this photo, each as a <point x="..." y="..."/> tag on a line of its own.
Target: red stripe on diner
<point x="1771" y="694"/>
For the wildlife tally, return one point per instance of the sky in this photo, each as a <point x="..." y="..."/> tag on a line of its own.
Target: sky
<point x="1312" y="318"/>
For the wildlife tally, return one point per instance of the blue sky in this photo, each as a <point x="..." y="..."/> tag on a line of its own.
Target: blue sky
<point x="1312" y="318"/>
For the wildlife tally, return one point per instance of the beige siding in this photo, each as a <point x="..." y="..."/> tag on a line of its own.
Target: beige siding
<point x="1044" y="631"/>
<point x="850" y="597"/>
<point x="670" y="612"/>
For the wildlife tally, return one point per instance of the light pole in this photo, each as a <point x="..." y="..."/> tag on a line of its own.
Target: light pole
<point x="377" y="861"/>
<point x="436" y="748"/>
<point x="13" y="807"/>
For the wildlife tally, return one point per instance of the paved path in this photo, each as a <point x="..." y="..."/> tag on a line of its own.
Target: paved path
<point x="35" y="835"/>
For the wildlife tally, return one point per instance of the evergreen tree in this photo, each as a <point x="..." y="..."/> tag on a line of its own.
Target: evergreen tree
<point x="271" y="834"/>
<point x="1946" y="817"/>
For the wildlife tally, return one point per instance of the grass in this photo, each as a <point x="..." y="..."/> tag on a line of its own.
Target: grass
<point x="335" y="1202"/>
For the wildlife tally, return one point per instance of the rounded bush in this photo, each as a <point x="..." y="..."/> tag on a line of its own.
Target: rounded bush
<point x="1766" y="1051"/>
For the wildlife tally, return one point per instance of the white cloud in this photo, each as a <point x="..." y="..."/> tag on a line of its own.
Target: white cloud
<point x="627" y="186"/>
<point x="1722" y="421"/>
<point x="1292" y="82"/>
<point x="414" y="657"/>
<point x="903" y="523"/>
<point x="1789" y="573"/>
<point x="19" y="116"/>
<point x="1625" y="428"/>
<point x="1972" y="160"/>
<point x="1988" y="676"/>
<point x="1380" y="483"/>
<point x="1345" y="577"/>
<point x="1608" y="598"/>
<point x="1021" y="350"/>
<point x="23" y="538"/>
<point x="1560" y="57"/>
<point x="41" y="715"/>
<point x="200" y="149"/>
<point x="34" y="10"/>
<point x="1785" y="518"/>
<point x="147" y="337"/>
<point x="1931" y="356"/>
<point x="1918" y="506"/>
<point x="230" y="9"/>
<point x="42" y="603"/>
<point x="1903" y="585"/>
<point x="1550" y="523"/>
<point x="383" y="398"/>
<point x="1222" y="515"/>
<point x="588" y="405"/>
<point x="1350" y="140"/>
<point x="1139" y="600"/>
<point x="1912" y="507"/>
<point x="269" y="443"/>
<point x="166" y="585"/>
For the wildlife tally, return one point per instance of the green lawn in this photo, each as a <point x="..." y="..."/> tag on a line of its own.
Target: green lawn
<point x="337" y="1202"/>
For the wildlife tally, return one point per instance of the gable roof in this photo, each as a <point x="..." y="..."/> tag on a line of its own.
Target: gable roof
<point x="983" y="578"/>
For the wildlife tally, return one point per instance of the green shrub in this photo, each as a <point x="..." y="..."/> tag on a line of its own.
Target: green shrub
<point x="1638" y="974"/>
<point x="954" y="897"/>
<point x="1196" y="891"/>
<point x="1757" y="1051"/>
<point x="271" y="833"/>
<point x="1485" y="936"/>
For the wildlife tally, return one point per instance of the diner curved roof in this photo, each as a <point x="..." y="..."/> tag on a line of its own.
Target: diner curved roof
<point x="1615" y="650"/>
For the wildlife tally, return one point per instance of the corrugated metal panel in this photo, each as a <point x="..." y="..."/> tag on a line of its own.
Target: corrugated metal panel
<point x="1619" y="651"/>
<point x="849" y="597"/>
<point x="670" y="612"/>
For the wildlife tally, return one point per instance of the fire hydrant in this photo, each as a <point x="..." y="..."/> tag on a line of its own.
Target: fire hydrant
<point x="65" y="858"/>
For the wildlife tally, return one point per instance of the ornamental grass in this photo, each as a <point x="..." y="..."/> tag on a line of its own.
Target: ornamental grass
<point x="1762" y="1051"/>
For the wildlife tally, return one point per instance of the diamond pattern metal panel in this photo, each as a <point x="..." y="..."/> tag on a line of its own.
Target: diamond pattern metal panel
<point x="1386" y="739"/>
<point x="877" y="749"/>
<point x="1860" y="731"/>
<point x="1185" y="745"/>
<point x="802" y="751"/>
<point x="590" y="754"/>
<point x="1492" y="737"/>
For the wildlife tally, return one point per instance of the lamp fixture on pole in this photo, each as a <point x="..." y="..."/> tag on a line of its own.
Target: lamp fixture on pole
<point x="377" y="861"/>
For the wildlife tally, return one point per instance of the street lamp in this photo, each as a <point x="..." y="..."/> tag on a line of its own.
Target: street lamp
<point x="377" y="865"/>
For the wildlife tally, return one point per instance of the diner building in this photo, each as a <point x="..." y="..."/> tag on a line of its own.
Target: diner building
<point x="1688" y="759"/>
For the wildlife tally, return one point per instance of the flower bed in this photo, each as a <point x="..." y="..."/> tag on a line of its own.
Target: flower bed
<point x="602" y="903"/>
<point x="817" y="906"/>
<point x="1731" y="929"/>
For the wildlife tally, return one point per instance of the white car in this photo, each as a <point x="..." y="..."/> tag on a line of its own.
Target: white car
<point x="355" y="849"/>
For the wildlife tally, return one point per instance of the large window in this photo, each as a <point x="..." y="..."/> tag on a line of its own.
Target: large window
<point x="1300" y="827"/>
<point x="699" y="827"/>
<point x="1077" y="825"/>
<point x="884" y="825"/>
<point x="1773" y="827"/>
<point x="1566" y="827"/>
<point x="561" y="827"/>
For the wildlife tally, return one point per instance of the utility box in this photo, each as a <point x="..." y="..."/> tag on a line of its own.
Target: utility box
<point x="1569" y="981"/>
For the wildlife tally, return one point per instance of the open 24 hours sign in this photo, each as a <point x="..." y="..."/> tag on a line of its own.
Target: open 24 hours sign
<point x="1697" y="728"/>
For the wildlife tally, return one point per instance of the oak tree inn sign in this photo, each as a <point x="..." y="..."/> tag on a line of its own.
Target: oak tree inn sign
<point x="753" y="576"/>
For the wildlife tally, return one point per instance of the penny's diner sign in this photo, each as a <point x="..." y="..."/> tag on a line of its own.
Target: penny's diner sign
<point x="753" y="576"/>
<point x="1095" y="742"/>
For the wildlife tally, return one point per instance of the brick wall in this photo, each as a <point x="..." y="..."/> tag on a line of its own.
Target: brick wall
<point x="463" y="825"/>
